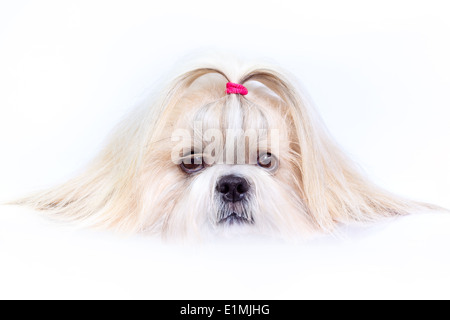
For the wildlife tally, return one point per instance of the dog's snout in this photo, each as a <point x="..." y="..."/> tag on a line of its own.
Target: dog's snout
<point x="233" y="188"/>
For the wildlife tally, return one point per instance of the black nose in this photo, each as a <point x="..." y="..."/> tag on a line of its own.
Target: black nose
<point x="233" y="188"/>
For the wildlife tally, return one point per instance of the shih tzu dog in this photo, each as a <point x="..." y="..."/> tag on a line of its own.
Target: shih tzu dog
<point x="224" y="148"/>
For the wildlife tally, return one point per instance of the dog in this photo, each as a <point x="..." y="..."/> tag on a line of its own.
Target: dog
<point x="225" y="148"/>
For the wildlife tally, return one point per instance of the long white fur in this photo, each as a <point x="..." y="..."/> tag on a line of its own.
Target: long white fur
<point x="133" y="185"/>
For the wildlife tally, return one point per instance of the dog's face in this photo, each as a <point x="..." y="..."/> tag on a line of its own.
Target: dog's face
<point x="228" y="164"/>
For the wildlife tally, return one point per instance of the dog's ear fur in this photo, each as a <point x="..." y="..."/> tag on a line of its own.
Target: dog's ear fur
<point x="332" y="186"/>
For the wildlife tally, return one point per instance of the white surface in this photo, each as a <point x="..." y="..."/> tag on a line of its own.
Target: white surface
<point x="379" y="75"/>
<point x="406" y="258"/>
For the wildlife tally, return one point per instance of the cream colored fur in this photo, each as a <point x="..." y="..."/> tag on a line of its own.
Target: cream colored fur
<point x="133" y="185"/>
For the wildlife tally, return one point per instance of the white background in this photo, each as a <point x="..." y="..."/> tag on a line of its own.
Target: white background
<point x="378" y="72"/>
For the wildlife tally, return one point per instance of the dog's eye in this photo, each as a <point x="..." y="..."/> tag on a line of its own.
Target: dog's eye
<point x="192" y="163"/>
<point x="268" y="161"/>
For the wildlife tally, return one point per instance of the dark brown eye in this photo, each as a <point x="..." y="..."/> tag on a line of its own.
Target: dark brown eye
<point x="192" y="163"/>
<point x="268" y="161"/>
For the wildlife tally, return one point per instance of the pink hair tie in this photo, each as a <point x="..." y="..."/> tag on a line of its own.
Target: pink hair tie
<point x="236" y="88"/>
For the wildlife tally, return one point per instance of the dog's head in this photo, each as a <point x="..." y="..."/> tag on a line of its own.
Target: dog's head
<point x="234" y="161"/>
<point x="201" y="161"/>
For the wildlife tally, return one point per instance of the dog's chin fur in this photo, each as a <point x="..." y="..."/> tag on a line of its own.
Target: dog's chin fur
<point x="135" y="186"/>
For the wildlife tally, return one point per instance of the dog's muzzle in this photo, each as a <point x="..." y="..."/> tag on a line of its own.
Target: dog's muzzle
<point x="233" y="193"/>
